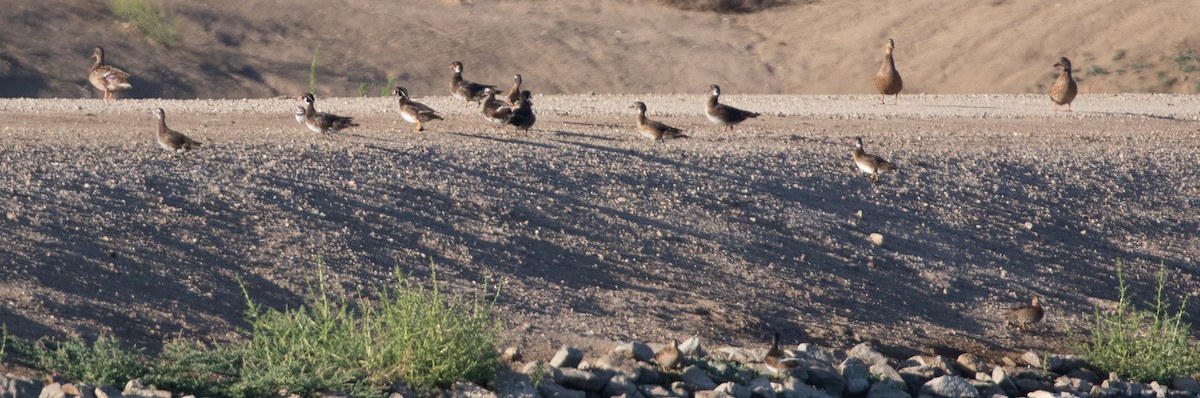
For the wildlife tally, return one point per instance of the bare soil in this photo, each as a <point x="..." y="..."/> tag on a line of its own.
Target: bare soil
<point x="596" y="234"/>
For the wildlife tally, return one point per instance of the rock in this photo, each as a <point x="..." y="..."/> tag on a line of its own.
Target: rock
<point x="1067" y="384"/>
<point x="680" y="389"/>
<point x="619" y="385"/>
<point x="1159" y="389"/>
<point x="761" y="387"/>
<point x="722" y="371"/>
<point x="949" y="387"/>
<point x="1006" y="384"/>
<point x="52" y="390"/>
<point x="885" y="373"/>
<point x="947" y="366"/>
<point x="1038" y="361"/>
<point x="885" y="390"/>
<point x="1085" y="374"/>
<point x="867" y="353"/>
<point x="1029" y="385"/>
<point x="971" y="363"/>
<point x="695" y="379"/>
<point x="984" y="388"/>
<point x="915" y="377"/>
<point x="638" y="351"/>
<point x="511" y="354"/>
<point x="538" y="370"/>
<point x="736" y="354"/>
<point x="1185" y="383"/>
<point x="19" y="387"/>
<point x="463" y="389"/>
<point x="107" y="392"/>
<point x="691" y="348"/>
<point x="816" y="354"/>
<point x="512" y="384"/>
<point x="797" y="389"/>
<point x="553" y="390"/>
<point x="1041" y="394"/>
<point x="854" y="372"/>
<point x="655" y="391"/>
<point x="567" y="357"/>
<point x="826" y="378"/>
<point x="71" y="389"/>
<point x="582" y="380"/>
<point x="647" y="374"/>
<point x="732" y="389"/>
<point x="877" y="239"/>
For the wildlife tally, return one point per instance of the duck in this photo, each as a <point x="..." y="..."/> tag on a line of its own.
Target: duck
<point x="1063" y="91"/>
<point x="669" y="357"/>
<point x="106" y="77"/>
<point x="494" y="110"/>
<point x="320" y="122"/>
<point x="170" y="140"/>
<point x="523" y="117"/>
<point x="414" y="112"/>
<point x="721" y="114"/>
<point x="887" y="80"/>
<point x="1025" y="314"/>
<point x="465" y="90"/>
<point x="514" y="94"/>
<point x="653" y="129"/>
<point x="777" y="360"/>
<point x="870" y="164"/>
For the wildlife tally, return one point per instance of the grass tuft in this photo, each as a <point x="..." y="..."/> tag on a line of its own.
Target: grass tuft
<point x="104" y="362"/>
<point x="387" y="88"/>
<point x="362" y="89"/>
<point x="147" y="19"/>
<point x="1139" y="344"/>
<point x="1097" y="70"/>
<point x="1119" y="55"/>
<point x="312" y="71"/>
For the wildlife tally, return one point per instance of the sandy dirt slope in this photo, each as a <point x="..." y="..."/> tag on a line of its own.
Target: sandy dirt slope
<point x="597" y="234"/>
<point x="261" y="49"/>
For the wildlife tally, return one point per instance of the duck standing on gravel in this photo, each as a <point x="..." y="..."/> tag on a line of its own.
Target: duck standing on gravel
<point x="106" y="77"/>
<point x="653" y="129"/>
<point x="1063" y="91"/>
<point x="887" y="80"/>
<point x="320" y="122"/>
<point x="170" y="140"/>
<point x="467" y="91"/>
<point x="414" y="112"/>
<point x="1025" y="314"/>
<point x="523" y="117"/>
<point x="721" y="114"/>
<point x="494" y="110"/>
<point x="514" y="93"/>
<point x="868" y="163"/>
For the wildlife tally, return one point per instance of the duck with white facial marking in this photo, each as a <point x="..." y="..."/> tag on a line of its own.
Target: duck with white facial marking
<point x="170" y="140"/>
<point x="414" y="112"/>
<point x="653" y="129"/>
<point x="721" y="114"/>
<point x="870" y="164"/>
<point x="467" y="91"/>
<point x="320" y="122"/>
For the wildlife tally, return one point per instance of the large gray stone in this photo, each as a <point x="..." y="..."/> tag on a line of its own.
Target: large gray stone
<point x="510" y="384"/>
<point x="793" y="388"/>
<point x="971" y="363"/>
<point x="1006" y="384"/>
<point x="949" y="387"/>
<point x="582" y="380"/>
<point x="1041" y="394"/>
<point x="637" y="350"/>
<point x="541" y="370"/>
<point x="553" y="390"/>
<point x="736" y="354"/>
<point x="695" y="379"/>
<point x="52" y="390"/>
<point x="619" y="385"/>
<point x="855" y="372"/>
<point x="691" y="348"/>
<point x="867" y="353"/>
<point x="761" y="387"/>
<point x="915" y="377"/>
<point x="656" y="391"/>
<point x="19" y="387"/>
<point x="885" y="373"/>
<point x="826" y="378"/>
<point x="885" y="390"/>
<point x="567" y="357"/>
<point x="734" y="390"/>
<point x="1185" y="383"/>
<point x="1027" y="385"/>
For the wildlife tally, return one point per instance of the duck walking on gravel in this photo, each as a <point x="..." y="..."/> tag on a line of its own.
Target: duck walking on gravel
<point x="777" y="360"/>
<point x="107" y="77"/>
<point x="514" y="93"/>
<point x="494" y="110"/>
<point x="170" y="140"/>
<point x="887" y="80"/>
<point x="522" y="117"/>
<point x="1063" y="91"/>
<point x="414" y="112"/>
<point x="1025" y="314"/>
<point x="870" y="164"/>
<point x="653" y="129"/>
<point x="320" y="122"/>
<point x="467" y="91"/>
<point x="721" y="114"/>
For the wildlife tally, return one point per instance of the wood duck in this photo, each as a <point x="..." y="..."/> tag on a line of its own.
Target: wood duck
<point x="721" y="114"/>
<point x="1063" y="91"/>
<point x="778" y="361"/>
<point x="414" y="112"/>
<point x="1025" y="314"/>
<point x="887" y="80"/>
<point x="494" y="110"/>
<point x="170" y="140"/>
<point x="653" y="129"/>
<point x="465" y="90"/>
<point x="106" y="77"/>
<point x="514" y="93"/>
<point x="320" y="122"/>
<point x="523" y="117"/>
<point x="870" y="164"/>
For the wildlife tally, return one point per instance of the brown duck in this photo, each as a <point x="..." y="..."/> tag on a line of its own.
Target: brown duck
<point x="465" y="90"/>
<point x="653" y="129"/>
<point x="1025" y="314"/>
<point x="777" y="360"/>
<point x="721" y="114"/>
<point x="170" y="140"/>
<point x="414" y="112"/>
<point x="514" y="93"/>
<point x="107" y="77"/>
<point x="887" y="80"/>
<point x="523" y="117"/>
<point x="669" y="357"/>
<point x="1063" y="91"/>
<point x="870" y="164"/>
<point x="320" y="122"/>
<point x="494" y="110"/>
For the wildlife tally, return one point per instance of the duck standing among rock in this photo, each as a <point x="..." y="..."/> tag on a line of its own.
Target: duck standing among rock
<point x="669" y="357"/>
<point x="414" y="112"/>
<point x="777" y="360"/>
<point x="170" y="140"/>
<point x="106" y="77"/>
<point x="887" y="80"/>
<point x="1063" y="91"/>
<point x="465" y="90"/>
<point x="868" y="163"/>
<point x="320" y="122"/>
<point x="653" y="129"/>
<point x="1025" y="314"/>
<point x="721" y="114"/>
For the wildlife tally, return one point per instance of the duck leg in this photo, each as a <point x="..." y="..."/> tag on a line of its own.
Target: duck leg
<point x="418" y="127"/>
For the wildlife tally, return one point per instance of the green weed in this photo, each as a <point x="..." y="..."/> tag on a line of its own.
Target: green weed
<point x="312" y="71"/>
<point x="105" y="362"/>
<point x="1119" y="55"/>
<point x="147" y="19"/>
<point x="387" y="88"/>
<point x="1097" y="70"/>
<point x="362" y="89"/>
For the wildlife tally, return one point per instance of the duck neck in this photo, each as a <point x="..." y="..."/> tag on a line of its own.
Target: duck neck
<point x="310" y="111"/>
<point x="712" y="100"/>
<point x="455" y="80"/>
<point x="641" y="117"/>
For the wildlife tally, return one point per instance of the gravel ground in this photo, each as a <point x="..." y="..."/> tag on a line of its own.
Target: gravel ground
<point x="598" y="235"/>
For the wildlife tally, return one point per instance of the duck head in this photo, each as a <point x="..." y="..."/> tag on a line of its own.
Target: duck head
<point x="456" y="66"/>
<point x="1064" y="63"/>
<point x="714" y="90"/>
<point x="641" y="107"/>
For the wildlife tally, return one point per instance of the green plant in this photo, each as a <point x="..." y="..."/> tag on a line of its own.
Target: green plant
<point x="1138" y="344"/>
<point x="1119" y="55"/>
<point x="1097" y="70"/>
<point x="312" y="71"/>
<point x="147" y="19"/>
<point x="387" y="88"/>
<point x="1168" y="81"/>
<point x="362" y="89"/>
<point x="1138" y="67"/>
<point x="1198" y="86"/>
<point x="104" y="362"/>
